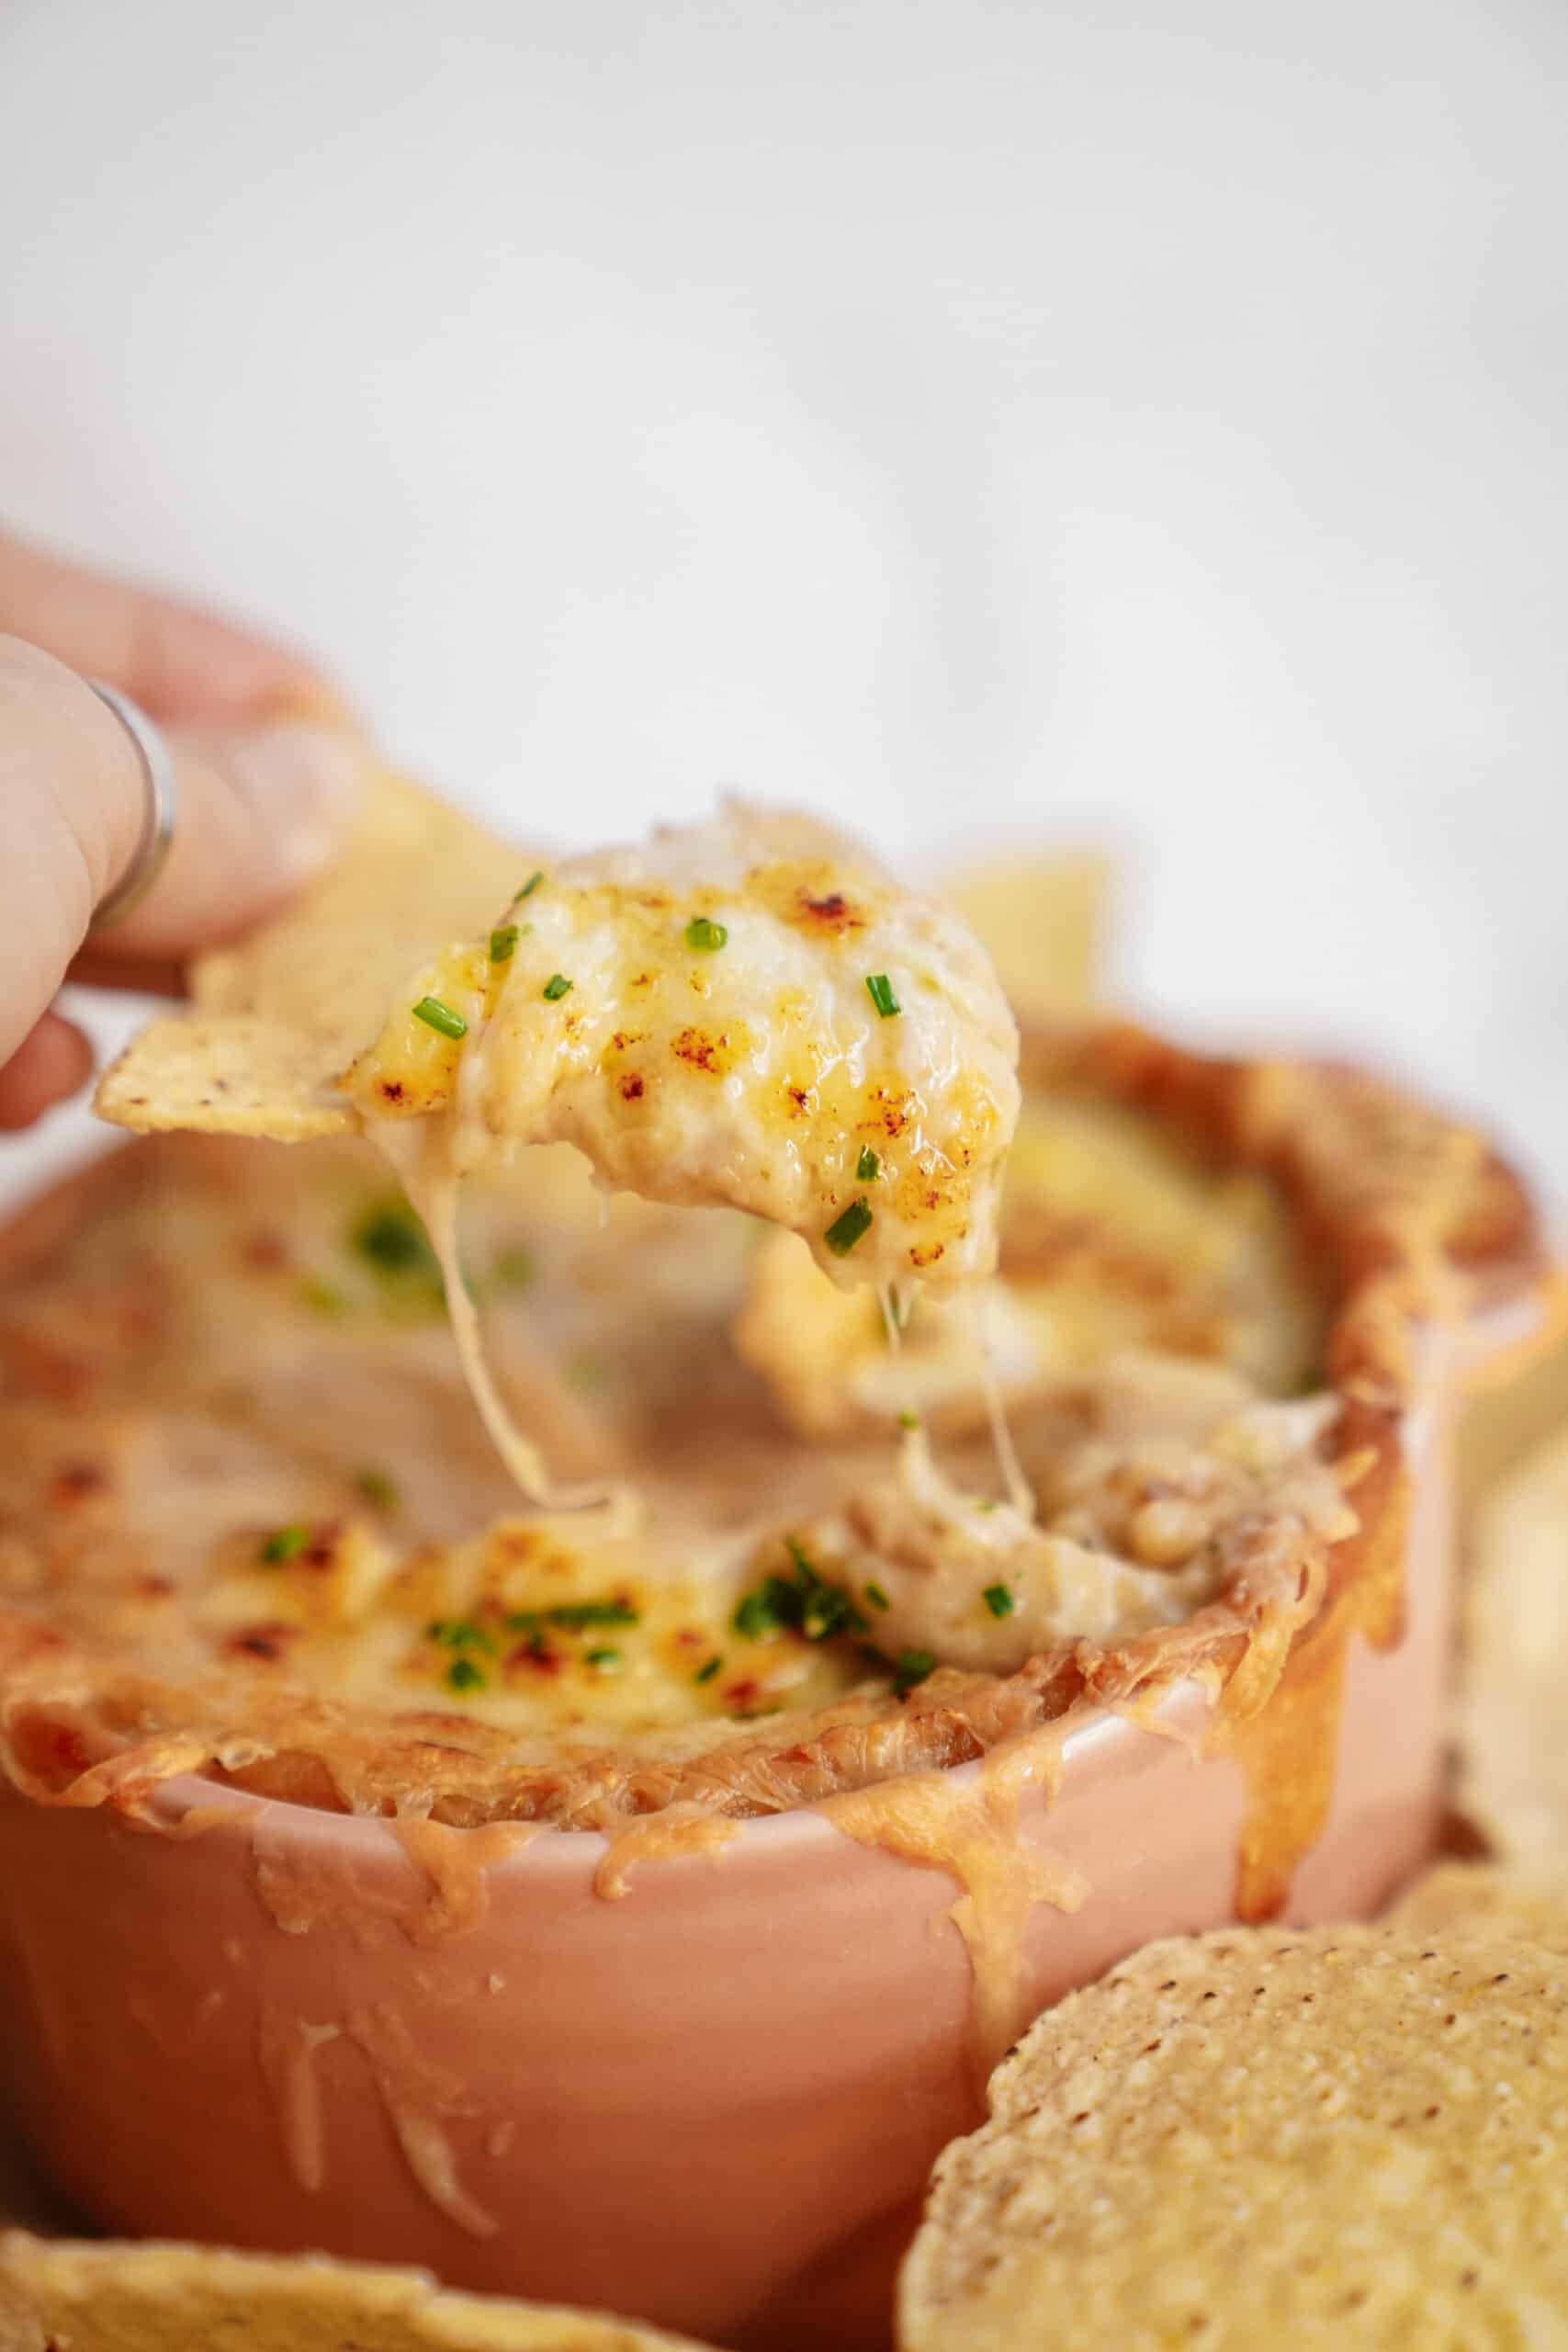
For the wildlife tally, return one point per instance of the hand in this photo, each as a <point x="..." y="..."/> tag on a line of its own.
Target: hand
<point x="268" y="772"/>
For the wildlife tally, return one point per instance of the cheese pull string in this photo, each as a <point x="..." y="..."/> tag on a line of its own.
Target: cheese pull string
<point x="1019" y="1493"/>
<point x="428" y="1168"/>
<point x="915" y="1457"/>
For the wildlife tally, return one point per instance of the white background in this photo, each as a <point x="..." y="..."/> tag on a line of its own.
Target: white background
<point x="1136" y="423"/>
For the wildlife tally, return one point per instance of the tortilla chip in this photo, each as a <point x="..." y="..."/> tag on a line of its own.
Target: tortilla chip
<point x="1513" y="1715"/>
<point x="1259" y="2137"/>
<point x="1044" y="919"/>
<point x="277" y="1018"/>
<point x="241" y="1076"/>
<point x="1475" y="1900"/>
<point x="154" y="2298"/>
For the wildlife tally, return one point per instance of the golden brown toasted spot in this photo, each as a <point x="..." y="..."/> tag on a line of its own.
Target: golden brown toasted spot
<point x="510" y="1545"/>
<point x="702" y="1051"/>
<point x="75" y="1481"/>
<point x="831" y="913"/>
<point x="893" y="1111"/>
<point x="537" y="1656"/>
<point x="267" y="1642"/>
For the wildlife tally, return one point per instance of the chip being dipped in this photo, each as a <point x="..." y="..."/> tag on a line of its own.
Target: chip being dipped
<point x="276" y="1020"/>
<point x="747" y="1013"/>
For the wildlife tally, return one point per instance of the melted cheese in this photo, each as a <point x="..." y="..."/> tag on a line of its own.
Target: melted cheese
<point x="1134" y="1537"/>
<point x="746" y="1012"/>
<point x="970" y="1828"/>
<point x="257" y="1346"/>
<point x="1114" y="1238"/>
<point x="426" y="1164"/>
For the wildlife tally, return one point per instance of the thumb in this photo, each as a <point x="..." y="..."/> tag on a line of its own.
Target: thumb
<point x="262" y="803"/>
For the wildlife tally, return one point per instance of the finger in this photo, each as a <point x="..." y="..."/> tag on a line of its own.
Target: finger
<point x="176" y="662"/>
<point x="53" y="1062"/>
<point x="260" y="803"/>
<point x="261" y="808"/>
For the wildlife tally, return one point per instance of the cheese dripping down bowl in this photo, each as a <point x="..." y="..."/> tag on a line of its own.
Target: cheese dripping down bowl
<point x="675" y="2024"/>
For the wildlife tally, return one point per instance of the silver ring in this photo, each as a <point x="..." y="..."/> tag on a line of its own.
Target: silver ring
<point x="160" y="809"/>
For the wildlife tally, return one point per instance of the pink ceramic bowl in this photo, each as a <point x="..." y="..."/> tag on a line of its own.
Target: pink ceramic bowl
<point x="711" y="2101"/>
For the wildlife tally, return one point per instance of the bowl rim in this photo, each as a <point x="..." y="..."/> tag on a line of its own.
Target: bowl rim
<point x="556" y="1847"/>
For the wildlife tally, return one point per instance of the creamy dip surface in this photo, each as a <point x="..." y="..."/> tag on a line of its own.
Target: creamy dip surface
<point x="236" y="1437"/>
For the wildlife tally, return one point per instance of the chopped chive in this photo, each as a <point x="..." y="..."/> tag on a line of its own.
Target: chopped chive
<point x="705" y="1673"/>
<point x="882" y="996"/>
<point x="577" y="1613"/>
<point x="436" y="1015"/>
<point x="776" y="1603"/>
<point x="706" y="937"/>
<point x="464" y="1675"/>
<point x="756" y="1617"/>
<point x="390" y="1235"/>
<point x="572" y="1616"/>
<point x="460" y="1633"/>
<point x="998" y="1601"/>
<point x="377" y="1488"/>
<point x="503" y="943"/>
<point x="846" y="1230"/>
<point x="913" y="1666"/>
<point x="908" y="1421"/>
<point x="286" y="1544"/>
<point x="529" y="888"/>
<point x="605" y="1661"/>
<point x="821" y="1609"/>
<point x="868" y="1168"/>
<point x="804" y="1603"/>
<point x="556" y="987"/>
<point x="876" y="1597"/>
<point x="801" y="1558"/>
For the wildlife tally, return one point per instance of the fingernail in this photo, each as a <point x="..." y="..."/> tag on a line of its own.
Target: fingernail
<point x="308" y="779"/>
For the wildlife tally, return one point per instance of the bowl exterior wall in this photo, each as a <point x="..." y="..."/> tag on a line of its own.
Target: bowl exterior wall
<point x="712" y="2102"/>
